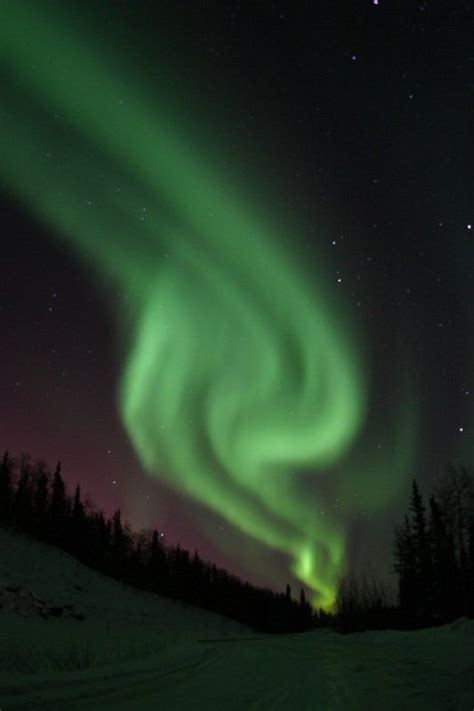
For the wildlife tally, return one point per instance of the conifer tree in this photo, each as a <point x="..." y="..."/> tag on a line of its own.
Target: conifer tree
<point x="157" y="561"/>
<point x="41" y="501"/>
<point x="78" y="527"/>
<point x="445" y="572"/>
<point x="423" y="568"/>
<point x="78" y="506"/>
<point x="455" y="494"/>
<point x="6" y="489"/>
<point x="58" y="508"/>
<point x="405" y="566"/>
<point x="22" y="499"/>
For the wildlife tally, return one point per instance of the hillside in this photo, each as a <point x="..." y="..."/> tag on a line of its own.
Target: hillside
<point x="39" y="582"/>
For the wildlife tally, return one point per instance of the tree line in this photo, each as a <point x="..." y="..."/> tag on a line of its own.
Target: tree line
<point x="434" y="551"/>
<point x="433" y="558"/>
<point x="35" y="501"/>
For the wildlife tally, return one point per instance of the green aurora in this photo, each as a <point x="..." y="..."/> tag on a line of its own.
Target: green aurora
<point x="242" y="378"/>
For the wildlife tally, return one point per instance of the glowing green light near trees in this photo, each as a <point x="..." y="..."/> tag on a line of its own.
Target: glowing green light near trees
<point x="239" y="371"/>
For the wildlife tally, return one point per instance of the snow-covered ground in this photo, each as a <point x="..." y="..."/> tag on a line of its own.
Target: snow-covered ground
<point x="136" y="651"/>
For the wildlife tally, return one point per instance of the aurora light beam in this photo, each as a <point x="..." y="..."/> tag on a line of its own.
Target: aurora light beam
<point x="239" y="371"/>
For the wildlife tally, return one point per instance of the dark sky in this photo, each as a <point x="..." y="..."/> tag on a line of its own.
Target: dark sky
<point x="358" y="117"/>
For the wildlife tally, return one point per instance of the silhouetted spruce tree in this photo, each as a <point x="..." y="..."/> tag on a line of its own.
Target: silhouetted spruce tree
<point x="405" y="566"/>
<point x="58" y="508"/>
<point x="120" y="546"/>
<point x="78" y="524"/>
<point x="185" y="573"/>
<point x="100" y="540"/>
<point x="157" y="564"/>
<point x="455" y="495"/>
<point x="6" y="489"/>
<point x="423" y="568"/>
<point x="445" y="571"/>
<point x="117" y="531"/>
<point x="41" y="501"/>
<point x="302" y="598"/>
<point x="105" y="532"/>
<point x="22" y="499"/>
<point x="304" y="613"/>
<point x="78" y="506"/>
<point x="175" y="571"/>
<point x="288" y="610"/>
<point x="136" y="559"/>
<point x="197" y="579"/>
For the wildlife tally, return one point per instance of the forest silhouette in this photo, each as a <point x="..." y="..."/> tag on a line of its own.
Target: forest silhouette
<point x="433" y="557"/>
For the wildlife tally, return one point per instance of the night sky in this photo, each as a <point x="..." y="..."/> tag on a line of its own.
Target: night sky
<point x="236" y="294"/>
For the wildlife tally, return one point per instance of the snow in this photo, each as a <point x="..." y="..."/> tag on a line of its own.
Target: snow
<point x="135" y="650"/>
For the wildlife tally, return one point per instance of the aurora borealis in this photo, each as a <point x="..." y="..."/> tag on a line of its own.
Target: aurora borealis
<point x="246" y="383"/>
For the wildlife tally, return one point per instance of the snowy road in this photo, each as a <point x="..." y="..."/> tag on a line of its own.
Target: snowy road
<point x="321" y="670"/>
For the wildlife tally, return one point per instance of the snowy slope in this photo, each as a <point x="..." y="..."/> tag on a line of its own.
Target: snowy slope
<point x="138" y="651"/>
<point x="119" y="621"/>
